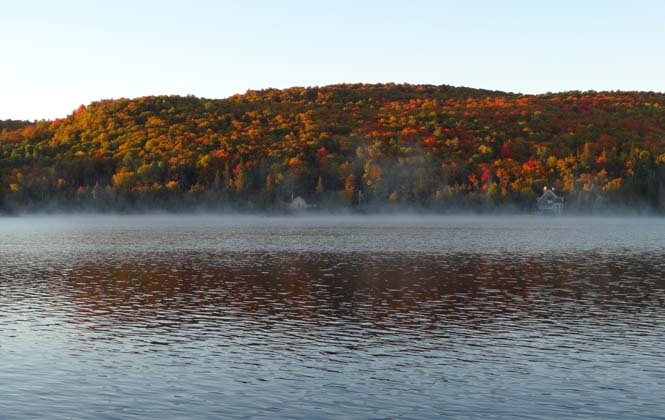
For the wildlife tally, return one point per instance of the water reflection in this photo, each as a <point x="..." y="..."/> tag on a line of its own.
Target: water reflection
<point x="128" y="326"/>
<point x="369" y="287"/>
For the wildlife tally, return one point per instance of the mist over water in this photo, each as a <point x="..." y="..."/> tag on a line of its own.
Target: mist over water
<point x="407" y="316"/>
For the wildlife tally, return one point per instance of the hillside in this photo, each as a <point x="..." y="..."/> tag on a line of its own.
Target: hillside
<point x="437" y="147"/>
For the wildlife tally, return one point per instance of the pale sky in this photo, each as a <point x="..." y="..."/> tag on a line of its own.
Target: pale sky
<point x="56" y="55"/>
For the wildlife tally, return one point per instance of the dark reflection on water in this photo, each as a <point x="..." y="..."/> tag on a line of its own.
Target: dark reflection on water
<point x="189" y="318"/>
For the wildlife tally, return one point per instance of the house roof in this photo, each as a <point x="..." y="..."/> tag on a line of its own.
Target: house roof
<point x="549" y="194"/>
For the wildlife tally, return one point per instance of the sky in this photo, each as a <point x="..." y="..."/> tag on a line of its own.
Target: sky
<point x="55" y="56"/>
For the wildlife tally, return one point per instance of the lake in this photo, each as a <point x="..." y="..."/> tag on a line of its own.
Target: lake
<point x="348" y="317"/>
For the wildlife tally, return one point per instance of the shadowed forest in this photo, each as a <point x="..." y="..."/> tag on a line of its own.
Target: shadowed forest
<point x="366" y="147"/>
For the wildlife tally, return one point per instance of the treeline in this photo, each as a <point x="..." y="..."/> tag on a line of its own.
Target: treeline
<point x="8" y="125"/>
<point x="364" y="146"/>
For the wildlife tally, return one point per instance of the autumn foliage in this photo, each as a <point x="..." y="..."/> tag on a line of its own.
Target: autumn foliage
<point x="436" y="147"/>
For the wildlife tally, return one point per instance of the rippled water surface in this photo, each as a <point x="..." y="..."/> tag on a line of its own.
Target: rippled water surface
<point x="339" y="317"/>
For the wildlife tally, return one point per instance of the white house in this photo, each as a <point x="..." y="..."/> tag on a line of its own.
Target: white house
<point x="549" y="202"/>
<point x="298" y="203"/>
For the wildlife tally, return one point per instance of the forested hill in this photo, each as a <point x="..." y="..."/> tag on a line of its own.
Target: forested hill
<point x="363" y="146"/>
<point x="12" y="124"/>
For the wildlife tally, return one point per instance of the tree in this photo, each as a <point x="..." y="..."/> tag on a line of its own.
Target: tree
<point x="242" y="179"/>
<point x="217" y="182"/>
<point x="227" y="176"/>
<point x="319" y="185"/>
<point x="350" y="187"/>
<point x="2" y="199"/>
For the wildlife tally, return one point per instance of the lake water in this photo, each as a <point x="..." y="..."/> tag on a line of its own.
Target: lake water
<point x="198" y="317"/>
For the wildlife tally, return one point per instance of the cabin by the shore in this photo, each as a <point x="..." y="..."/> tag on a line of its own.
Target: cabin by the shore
<point x="549" y="202"/>
<point x="298" y="203"/>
